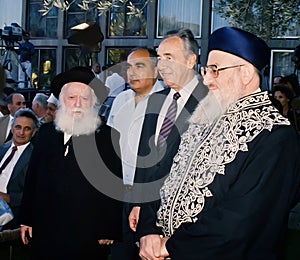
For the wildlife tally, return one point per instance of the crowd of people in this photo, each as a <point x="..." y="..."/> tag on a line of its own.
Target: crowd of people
<point x="184" y="165"/>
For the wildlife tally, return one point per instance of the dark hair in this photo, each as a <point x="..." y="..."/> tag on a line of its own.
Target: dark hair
<point x="152" y="53"/>
<point x="284" y="88"/>
<point x="190" y="43"/>
<point x="26" y="112"/>
<point x="293" y="80"/>
<point x="9" y="98"/>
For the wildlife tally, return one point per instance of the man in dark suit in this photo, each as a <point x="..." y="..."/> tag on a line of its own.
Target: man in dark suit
<point x="70" y="207"/>
<point x="177" y="58"/>
<point x="12" y="177"/>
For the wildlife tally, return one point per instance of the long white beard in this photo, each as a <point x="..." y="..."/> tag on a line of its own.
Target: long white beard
<point x="84" y="124"/>
<point x="212" y="107"/>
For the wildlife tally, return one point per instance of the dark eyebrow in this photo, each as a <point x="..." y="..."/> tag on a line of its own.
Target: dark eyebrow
<point x="140" y="63"/>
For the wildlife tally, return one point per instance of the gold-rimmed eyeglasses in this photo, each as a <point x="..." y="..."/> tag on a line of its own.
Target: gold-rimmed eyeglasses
<point x="214" y="70"/>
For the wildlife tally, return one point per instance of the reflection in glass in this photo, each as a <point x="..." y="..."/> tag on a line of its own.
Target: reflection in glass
<point x="282" y="64"/>
<point x="122" y="24"/>
<point x="177" y="14"/>
<point x="76" y="15"/>
<point x="43" y="68"/>
<point x="41" y="26"/>
<point x="77" y="57"/>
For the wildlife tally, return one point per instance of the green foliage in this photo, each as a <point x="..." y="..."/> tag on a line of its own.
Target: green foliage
<point x="265" y="18"/>
<point x="102" y="6"/>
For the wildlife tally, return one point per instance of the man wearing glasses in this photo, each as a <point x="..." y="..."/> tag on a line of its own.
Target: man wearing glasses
<point x="237" y="172"/>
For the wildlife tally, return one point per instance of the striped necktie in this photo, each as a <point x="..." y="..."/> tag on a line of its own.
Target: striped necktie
<point x="8" y="159"/>
<point x="168" y="122"/>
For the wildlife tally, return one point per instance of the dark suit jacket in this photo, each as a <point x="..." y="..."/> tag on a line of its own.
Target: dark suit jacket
<point x="67" y="213"/>
<point x="16" y="182"/>
<point x="4" y="120"/>
<point x="153" y="164"/>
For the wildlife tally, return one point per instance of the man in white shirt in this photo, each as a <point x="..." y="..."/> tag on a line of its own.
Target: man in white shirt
<point x="115" y="82"/>
<point x="96" y="69"/>
<point x="127" y="116"/>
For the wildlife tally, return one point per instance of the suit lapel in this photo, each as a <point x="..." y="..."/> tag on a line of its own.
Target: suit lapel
<point x="155" y="103"/>
<point x="22" y="162"/>
<point x="4" y="121"/>
<point x="3" y="150"/>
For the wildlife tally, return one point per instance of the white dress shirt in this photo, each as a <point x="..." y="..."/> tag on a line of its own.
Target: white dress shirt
<point x="128" y="117"/>
<point x="185" y="94"/>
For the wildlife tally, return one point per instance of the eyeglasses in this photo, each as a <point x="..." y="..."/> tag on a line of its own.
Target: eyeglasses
<point x="214" y="70"/>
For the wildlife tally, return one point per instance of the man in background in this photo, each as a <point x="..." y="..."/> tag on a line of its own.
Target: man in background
<point x="39" y="106"/>
<point x="26" y="51"/>
<point x="52" y="105"/>
<point x="96" y="69"/>
<point x="14" y="101"/>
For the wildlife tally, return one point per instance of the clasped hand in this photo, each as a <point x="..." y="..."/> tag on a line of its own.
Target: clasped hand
<point x="153" y="247"/>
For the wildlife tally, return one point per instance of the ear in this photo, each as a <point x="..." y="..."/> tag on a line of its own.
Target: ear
<point x="248" y="73"/>
<point x="155" y="73"/>
<point x="34" y="132"/>
<point x="192" y="60"/>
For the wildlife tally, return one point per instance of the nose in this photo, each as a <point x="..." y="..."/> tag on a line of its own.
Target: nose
<point x="161" y="64"/>
<point x="78" y="102"/>
<point x="22" y="130"/>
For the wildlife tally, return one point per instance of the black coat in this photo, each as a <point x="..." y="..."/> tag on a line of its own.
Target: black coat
<point x="67" y="213"/>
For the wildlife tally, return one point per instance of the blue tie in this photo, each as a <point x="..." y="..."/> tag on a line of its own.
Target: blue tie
<point x="168" y="122"/>
<point x="8" y="159"/>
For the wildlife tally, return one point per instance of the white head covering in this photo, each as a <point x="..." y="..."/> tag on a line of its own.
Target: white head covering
<point x="52" y="99"/>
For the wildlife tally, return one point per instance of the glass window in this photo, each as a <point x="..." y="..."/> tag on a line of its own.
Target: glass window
<point x="75" y="56"/>
<point x="176" y="14"/>
<point x="219" y="21"/>
<point x="123" y="24"/>
<point x="75" y="15"/>
<point x="117" y="55"/>
<point x="43" y="68"/>
<point x="282" y="64"/>
<point x="41" y="26"/>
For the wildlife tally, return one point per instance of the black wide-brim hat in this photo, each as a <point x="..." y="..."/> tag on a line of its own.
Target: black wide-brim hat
<point x="79" y="74"/>
<point x="242" y="44"/>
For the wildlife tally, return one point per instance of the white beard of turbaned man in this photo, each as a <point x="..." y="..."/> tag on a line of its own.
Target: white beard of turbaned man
<point x="214" y="105"/>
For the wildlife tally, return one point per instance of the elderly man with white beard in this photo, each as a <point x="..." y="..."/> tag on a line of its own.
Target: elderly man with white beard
<point x="70" y="207"/>
<point x="236" y="175"/>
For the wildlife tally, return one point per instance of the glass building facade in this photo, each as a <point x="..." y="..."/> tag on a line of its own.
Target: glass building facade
<point x="121" y="32"/>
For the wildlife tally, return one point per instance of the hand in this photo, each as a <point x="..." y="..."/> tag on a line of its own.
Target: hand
<point x="25" y="231"/>
<point x="152" y="247"/>
<point x="164" y="251"/>
<point x="134" y="218"/>
<point x="105" y="242"/>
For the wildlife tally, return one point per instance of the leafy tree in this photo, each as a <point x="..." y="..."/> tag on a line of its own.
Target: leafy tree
<point x="102" y="6"/>
<point x="266" y="18"/>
